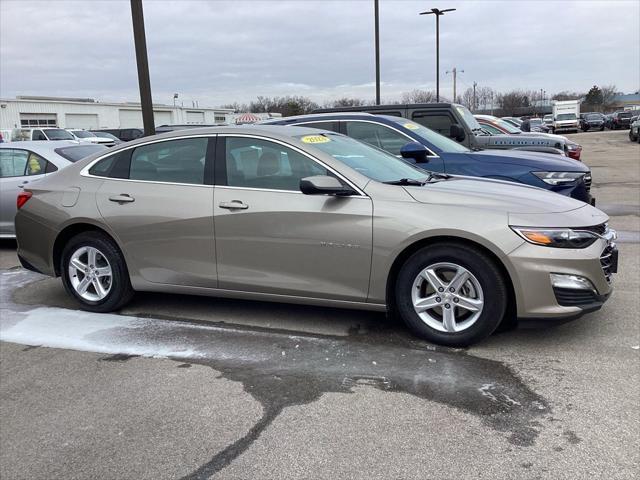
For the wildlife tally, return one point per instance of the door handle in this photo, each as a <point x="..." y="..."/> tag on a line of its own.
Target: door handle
<point x="122" y="198"/>
<point x="234" y="205"/>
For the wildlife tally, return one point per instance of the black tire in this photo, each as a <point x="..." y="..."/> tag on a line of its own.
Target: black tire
<point x="120" y="292"/>
<point x="480" y="265"/>
<point x="602" y="128"/>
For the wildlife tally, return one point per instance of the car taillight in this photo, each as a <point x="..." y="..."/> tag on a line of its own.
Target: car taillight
<point x="23" y="197"/>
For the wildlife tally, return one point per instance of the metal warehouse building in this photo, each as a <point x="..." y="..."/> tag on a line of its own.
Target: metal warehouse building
<point x="88" y="113"/>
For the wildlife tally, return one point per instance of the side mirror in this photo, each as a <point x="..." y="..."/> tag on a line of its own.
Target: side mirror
<point x="415" y="151"/>
<point x="456" y="132"/>
<point x="324" y="185"/>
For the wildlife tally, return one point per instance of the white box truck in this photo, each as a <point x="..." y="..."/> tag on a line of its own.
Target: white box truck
<point x="566" y="116"/>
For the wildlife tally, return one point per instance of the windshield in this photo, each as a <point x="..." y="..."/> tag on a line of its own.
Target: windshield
<point x="469" y="119"/>
<point x="624" y="115"/>
<point x="369" y="161"/>
<point x="58" y="134"/>
<point x="535" y="121"/>
<point x="83" y="134"/>
<point x="439" y="141"/>
<point x="566" y="116"/>
<point x="105" y="135"/>
<point x="78" y="152"/>
<point x="594" y="116"/>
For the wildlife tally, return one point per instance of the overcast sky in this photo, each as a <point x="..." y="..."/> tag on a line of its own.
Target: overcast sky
<point x="217" y="52"/>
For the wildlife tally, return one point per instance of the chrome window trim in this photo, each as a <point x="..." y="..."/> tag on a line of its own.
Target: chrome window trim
<point x="302" y="152"/>
<point x="85" y="171"/>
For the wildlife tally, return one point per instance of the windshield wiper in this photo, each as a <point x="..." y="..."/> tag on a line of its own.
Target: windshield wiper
<point x="437" y="176"/>
<point x="407" y="182"/>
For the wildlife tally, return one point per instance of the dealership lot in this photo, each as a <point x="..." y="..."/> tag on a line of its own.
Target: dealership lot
<point x="272" y="390"/>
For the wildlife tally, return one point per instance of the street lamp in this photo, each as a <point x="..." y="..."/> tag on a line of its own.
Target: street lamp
<point x="438" y="13"/>
<point x="376" y="15"/>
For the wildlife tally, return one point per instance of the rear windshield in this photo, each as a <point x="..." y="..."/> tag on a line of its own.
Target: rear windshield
<point x="78" y="152"/>
<point x="58" y="134"/>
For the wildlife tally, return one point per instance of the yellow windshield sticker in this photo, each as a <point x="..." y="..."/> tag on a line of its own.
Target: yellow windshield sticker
<point x="411" y="126"/>
<point x="315" y="139"/>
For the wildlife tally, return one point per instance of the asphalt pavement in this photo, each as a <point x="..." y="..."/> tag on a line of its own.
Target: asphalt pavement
<point x="188" y="387"/>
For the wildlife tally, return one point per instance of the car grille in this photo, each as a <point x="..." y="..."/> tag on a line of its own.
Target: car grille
<point x="569" y="297"/>
<point x="587" y="181"/>
<point x="606" y="261"/>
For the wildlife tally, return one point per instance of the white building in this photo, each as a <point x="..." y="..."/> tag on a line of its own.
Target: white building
<point x="24" y="111"/>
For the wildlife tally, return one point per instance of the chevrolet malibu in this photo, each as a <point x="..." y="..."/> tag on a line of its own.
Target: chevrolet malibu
<point x="308" y="216"/>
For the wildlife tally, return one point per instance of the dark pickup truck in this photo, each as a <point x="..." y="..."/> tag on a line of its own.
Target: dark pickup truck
<point x="457" y="122"/>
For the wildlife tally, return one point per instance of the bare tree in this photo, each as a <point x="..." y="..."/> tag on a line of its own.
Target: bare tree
<point x="608" y="94"/>
<point x="346" y="102"/>
<point x="467" y="98"/>
<point x="566" y="95"/>
<point x="511" y="101"/>
<point x="419" y="96"/>
<point x="287" y="106"/>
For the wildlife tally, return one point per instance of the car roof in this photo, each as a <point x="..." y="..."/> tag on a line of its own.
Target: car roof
<point x="40" y="146"/>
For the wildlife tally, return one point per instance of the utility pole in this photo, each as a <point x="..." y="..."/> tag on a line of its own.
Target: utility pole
<point x="474" y="96"/>
<point x="455" y="73"/>
<point x="438" y="13"/>
<point x="376" y="15"/>
<point x="142" y="61"/>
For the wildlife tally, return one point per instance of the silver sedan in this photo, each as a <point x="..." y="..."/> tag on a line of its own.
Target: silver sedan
<point x="22" y="163"/>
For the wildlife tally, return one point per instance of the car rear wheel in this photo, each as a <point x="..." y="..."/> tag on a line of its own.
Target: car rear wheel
<point x="94" y="273"/>
<point x="452" y="295"/>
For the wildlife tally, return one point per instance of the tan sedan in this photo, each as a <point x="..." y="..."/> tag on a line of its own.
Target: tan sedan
<point x="308" y="216"/>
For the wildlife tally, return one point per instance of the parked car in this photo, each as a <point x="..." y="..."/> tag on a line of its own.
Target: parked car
<point x="457" y="122"/>
<point x="112" y="139"/>
<point x="90" y="137"/>
<point x="516" y="122"/>
<point x="592" y="120"/>
<point x="313" y="217"/>
<point x="620" y="120"/>
<point x="435" y="152"/>
<point x="634" y="130"/>
<point x="45" y="133"/>
<point x="124" y="134"/>
<point x="537" y="125"/>
<point x="498" y="126"/>
<point x="23" y="163"/>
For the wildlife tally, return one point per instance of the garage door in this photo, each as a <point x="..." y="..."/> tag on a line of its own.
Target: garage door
<point x="195" y="118"/>
<point x="88" y="121"/>
<point x="133" y="118"/>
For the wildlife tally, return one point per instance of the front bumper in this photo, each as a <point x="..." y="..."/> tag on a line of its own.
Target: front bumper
<point x="537" y="297"/>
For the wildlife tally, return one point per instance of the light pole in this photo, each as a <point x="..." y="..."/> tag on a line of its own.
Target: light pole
<point x="438" y="13"/>
<point x="143" y="67"/>
<point x="377" y="35"/>
<point x="455" y="73"/>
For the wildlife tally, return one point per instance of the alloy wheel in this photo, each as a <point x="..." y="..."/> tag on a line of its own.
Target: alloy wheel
<point x="90" y="274"/>
<point x="447" y="297"/>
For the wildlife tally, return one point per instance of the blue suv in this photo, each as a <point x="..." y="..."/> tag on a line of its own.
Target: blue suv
<point x="434" y="152"/>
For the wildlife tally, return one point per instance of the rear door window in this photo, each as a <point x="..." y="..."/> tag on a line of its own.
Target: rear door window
<point x="174" y="161"/>
<point x="12" y="162"/>
<point x="328" y="125"/>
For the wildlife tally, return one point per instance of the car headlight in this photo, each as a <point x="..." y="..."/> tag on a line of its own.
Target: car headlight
<point x="559" y="178"/>
<point x="556" y="237"/>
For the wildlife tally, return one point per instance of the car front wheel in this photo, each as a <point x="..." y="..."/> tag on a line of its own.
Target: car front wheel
<point x="94" y="273"/>
<point x="453" y="295"/>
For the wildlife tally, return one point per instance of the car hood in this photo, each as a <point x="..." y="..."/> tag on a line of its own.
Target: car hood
<point x="494" y="195"/>
<point x="537" y="161"/>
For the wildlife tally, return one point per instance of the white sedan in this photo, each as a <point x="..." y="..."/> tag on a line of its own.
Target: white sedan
<point x="24" y="162"/>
